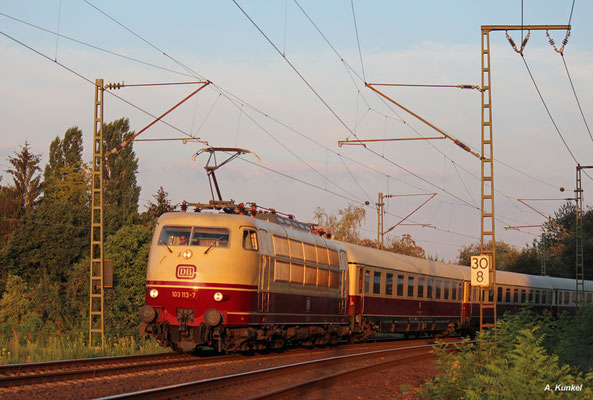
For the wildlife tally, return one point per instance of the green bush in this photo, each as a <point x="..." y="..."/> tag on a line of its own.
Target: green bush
<point x="530" y="352"/>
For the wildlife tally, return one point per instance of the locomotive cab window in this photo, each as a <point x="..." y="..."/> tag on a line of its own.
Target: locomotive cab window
<point x="175" y="235"/>
<point x="250" y="240"/>
<point x="209" y="237"/>
<point x="194" y="236"/>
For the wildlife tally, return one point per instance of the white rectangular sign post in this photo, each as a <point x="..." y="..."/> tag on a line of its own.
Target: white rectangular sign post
<point x="480" y="266"/>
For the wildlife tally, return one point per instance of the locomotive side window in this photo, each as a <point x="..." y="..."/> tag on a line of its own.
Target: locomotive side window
<point x="410" y="286"/>
<point x="310" y="253"/>
<point x="454" y="291"/>
<point x="250" y="240"/>
<point x="400" y="285"/>
<point x="377" y="283"/>
<point x="429" y="289"/>
<point x="310" y="275"/>
<point x="297" y="272"/>
<point x="389" y="284"/>
<point x="446" y="291"/>
<point x="437" y="294"/>
<point x="282" y="271"/>
<point x="322" y="255"/>
<point x="281" y="246"/>
<point x="334" y="260"/>
<point x="334" y="279"/>
<point x="322" y="277"/>
<point x="296" y="249"/>
<point x="175" y="235"/>
<point x="367" y="281"/>
<point x="420" y="292"/>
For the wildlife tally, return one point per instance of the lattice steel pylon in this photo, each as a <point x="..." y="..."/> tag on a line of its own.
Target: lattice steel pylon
<point x="97" y="299"/>
<point x="489" y="294"/>
<point x="487" y="234"/>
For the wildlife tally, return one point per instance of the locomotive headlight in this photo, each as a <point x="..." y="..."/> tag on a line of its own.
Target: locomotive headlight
<point x="187" y="254"/>
<point x="218" y="296"/>
<point x="154" y="293"/>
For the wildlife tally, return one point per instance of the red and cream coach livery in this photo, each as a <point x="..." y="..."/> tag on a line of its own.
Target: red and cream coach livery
<point x="237" y="282"/>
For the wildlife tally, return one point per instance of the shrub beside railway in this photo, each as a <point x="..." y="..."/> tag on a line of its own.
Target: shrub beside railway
<point x="532" y="354"/>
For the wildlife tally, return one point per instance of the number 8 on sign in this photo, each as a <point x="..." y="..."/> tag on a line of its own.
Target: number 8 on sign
<point x="480" y="267"/>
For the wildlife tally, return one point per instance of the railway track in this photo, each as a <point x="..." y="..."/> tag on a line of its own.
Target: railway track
<point x="53" y="371"/>
<point x="372" y="361"/>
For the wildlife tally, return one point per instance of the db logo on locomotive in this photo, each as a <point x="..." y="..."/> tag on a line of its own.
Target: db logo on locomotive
<point x="186" y="271"/>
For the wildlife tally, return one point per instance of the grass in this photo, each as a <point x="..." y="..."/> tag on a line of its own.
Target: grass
<point x="14" y="351"/>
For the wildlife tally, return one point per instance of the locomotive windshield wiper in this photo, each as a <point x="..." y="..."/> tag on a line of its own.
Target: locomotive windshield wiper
<point x="214" y="244"/>
<point x="168" y="248"/>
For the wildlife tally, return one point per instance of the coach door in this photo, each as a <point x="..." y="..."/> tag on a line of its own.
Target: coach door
<point x="265" y="267"/>
<point x="466" y="307"/>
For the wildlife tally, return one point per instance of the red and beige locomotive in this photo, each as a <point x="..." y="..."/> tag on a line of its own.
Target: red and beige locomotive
<point x="242" y="280"/>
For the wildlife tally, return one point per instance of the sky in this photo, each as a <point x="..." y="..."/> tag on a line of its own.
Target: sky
<point x="288" y="84"/>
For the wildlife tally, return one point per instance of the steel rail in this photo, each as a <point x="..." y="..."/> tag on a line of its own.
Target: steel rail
<point x="324" y="381"/>
<point x="103" y="367"/>
<point x="196" y="387"/>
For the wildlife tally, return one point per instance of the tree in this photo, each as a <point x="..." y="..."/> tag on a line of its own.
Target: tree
<point x="128" y="248"/>
<point x="162" y="204"/>
<point x="506" y="255"/>
<point x="10" y="209"/>
<point x="405" y="245"/>
<point x="343" y="224"/>
<point x="64" y="153"/>
<point x="121" y="191"/>
<point x="25" y="166"/>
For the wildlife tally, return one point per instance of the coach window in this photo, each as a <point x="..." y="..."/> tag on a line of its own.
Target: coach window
<point x="544" y="299"/>
<point x="499" y="294"/>
<point x="377" y="282"/>
<point x="530" y="296"/>
<point x="400" y="285"/>
<point x="566" y="298"/>
<point x="515" y="295"/>
<point x="475" y="294"/>
<point x="446" y="290"/>
<point x="429" y="289"/>
<point x="367" y="281"/>
<point x="437" y="294"/>
<point x="454" y="291"/>
<point x="420" y="292"/>
<point x="537" y="297"/>
<point x="250" y="240"/>
<point x="523" y="296"/>
<point x="491" y="295"/>
<point x="589" y="297"/>
<point x="389" y="284"/>
<point x="507" y="296"/>
<point x="410" y="286"/>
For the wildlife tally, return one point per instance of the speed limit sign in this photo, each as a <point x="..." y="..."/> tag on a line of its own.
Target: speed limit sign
<point x="480" y="266"/>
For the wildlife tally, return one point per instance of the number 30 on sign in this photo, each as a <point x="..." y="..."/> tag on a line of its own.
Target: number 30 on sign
<point x="480" y="266"/>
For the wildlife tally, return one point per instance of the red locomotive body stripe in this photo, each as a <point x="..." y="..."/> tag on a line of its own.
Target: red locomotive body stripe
<point x="240" y="307"/>
<point x="200" y="284"/>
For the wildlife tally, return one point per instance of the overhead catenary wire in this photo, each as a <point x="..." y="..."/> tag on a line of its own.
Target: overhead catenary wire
<point x="96" y="47"/>
<point x="93" y="83"/>
<point x="227" y="94"/>
<point x="358" y="40"/>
